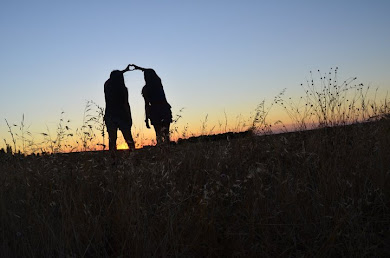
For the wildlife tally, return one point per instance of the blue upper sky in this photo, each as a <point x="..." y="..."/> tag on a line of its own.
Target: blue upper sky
<point x="212" y="56"/>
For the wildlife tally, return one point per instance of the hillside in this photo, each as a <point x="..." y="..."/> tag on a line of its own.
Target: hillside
<point x="323" y="192"/>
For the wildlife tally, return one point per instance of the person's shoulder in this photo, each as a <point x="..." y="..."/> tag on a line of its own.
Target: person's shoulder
<point x="107" y="84"/>
<point x="144" y="90"/>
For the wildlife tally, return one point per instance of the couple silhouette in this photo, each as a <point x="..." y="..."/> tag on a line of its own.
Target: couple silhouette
<point x="118" y="114"/>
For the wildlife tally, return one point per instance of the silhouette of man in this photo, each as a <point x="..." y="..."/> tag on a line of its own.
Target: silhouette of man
<point x="117" y="114"/>
<point x="157" y="108"/>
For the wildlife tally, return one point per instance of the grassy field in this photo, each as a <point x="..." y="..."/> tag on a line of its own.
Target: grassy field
<point x="319" y="193"/>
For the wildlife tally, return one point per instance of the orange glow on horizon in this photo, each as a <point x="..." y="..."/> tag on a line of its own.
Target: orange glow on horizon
<point x="139" y="144"/>
<point x="273" y="119"/>
<point x="122" y="146"/>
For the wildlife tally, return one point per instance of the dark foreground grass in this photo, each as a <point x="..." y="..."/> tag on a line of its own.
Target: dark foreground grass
<point x="320" y="193"/>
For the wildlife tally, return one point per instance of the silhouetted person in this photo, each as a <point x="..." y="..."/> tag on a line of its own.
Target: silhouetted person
<point x="118" y="115"/>
<point x="157" y="109"/>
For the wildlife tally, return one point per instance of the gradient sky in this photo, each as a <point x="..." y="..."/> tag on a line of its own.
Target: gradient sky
<point x="213" y="56"/>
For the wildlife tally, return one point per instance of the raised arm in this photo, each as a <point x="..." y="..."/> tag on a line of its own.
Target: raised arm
<point x="136" y="67"/>
<point x="127" y="69"/>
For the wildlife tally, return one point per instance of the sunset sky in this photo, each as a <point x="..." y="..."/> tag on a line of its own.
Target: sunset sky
<point x="213" y="56"/>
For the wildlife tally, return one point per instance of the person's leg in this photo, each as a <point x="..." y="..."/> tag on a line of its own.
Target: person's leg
<point x="128" y="138"/>
<point x="165" y="132"/>
<point x="159" y="135"/>
<point x="112" y="135"/>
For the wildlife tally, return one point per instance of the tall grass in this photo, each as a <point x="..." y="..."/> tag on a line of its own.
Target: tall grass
<point x="330" y="102"/>
<point x="314" y="193"/>
<point x="317" y="193"/>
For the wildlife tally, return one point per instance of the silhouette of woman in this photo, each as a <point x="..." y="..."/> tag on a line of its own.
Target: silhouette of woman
<point x="117" y="114"/>
<point x="157" y="108"/>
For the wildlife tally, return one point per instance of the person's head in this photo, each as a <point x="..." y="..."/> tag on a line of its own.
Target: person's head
<point x="151" y="77"/>
<point x="116" y="76"/>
